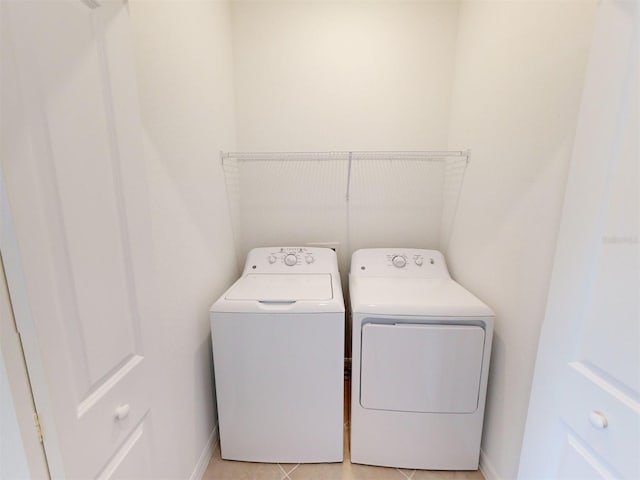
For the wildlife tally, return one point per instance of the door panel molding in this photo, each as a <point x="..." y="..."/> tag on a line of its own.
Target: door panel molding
<point x="80" y="252"/>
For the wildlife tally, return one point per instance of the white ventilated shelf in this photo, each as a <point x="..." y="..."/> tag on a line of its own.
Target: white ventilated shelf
<point x="355" y="199"/>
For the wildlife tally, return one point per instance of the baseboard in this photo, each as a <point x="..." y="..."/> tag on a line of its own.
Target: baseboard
<point x="205" y="456"/>
<point x="486" y="467"/>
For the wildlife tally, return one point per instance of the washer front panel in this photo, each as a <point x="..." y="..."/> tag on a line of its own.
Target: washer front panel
<point x="279" y="384"/>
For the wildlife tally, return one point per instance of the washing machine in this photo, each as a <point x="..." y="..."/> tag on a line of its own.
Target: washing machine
<point x="278" y="356"/>
<point x="420" y="360"/>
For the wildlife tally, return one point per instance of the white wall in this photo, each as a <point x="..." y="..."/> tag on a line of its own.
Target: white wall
<point x="518" y="79"/>
<point x="183" y="54"/>
<point x="343" y="75"/>
<point x="322" y="76"/>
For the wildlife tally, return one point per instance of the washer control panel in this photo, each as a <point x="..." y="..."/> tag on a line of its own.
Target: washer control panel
<point x="291" y="259"/>
<point x="291" y="256"/>
<point x="399" y="262"/>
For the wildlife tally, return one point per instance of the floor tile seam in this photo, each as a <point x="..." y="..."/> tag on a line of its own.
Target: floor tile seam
<point x="286" y="475"/>
<point x="408" y="477"/>
<point x="402" y="473"/>
<point x="291" y="471"/>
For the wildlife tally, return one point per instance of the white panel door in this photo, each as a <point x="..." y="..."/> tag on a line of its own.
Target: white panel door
<point x="584" y="414"/>
<point x="75" y="237"/>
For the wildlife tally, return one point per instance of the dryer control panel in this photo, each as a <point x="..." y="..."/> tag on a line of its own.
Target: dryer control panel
<point x="291" y="260"/>
<point x="401" y="262"/>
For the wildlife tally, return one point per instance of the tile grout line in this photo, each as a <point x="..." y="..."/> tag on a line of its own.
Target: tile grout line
<point x="408" y="477"/>
<point x="291" y="471"/>
<point x="286" y="475"/>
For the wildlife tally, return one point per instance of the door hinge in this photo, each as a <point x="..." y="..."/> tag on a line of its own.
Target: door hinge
<point x="36" y="422"/>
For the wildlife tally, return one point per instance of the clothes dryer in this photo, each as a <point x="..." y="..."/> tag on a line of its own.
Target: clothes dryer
<point x="278" y="355"/>
<point x="420" y="361"/>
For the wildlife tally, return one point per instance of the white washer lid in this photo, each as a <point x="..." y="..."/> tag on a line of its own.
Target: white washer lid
<point x="284" y="287"/>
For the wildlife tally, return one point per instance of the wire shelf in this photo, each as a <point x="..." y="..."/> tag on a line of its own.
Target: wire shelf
<point x="432" y="156"/>
<point x="356" y="199"/>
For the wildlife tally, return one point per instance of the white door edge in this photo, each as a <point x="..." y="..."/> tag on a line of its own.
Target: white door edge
<point x="49" y="462"/>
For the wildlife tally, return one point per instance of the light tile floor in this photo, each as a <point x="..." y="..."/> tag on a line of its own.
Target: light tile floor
<point x="219" y="469"/>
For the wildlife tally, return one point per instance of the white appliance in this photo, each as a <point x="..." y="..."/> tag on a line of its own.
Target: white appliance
<point x="278" y="354"/>
<point x="420" y="360"/>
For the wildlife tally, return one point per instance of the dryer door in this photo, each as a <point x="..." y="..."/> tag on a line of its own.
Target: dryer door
<point x="421" y="367"/>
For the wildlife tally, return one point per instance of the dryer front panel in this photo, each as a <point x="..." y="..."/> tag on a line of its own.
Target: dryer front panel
<point x="426" y="368"/>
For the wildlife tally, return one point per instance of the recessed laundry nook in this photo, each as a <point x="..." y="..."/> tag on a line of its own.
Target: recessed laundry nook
<point x="313" y="239"/>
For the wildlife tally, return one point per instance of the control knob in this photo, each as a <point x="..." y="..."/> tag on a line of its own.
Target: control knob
<point x="399" y="261"/>
<point x="290" y="260"/>
<point x="272" y="259"/>
<point x="419" y="261"/>
<point x="309" y="259"/>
